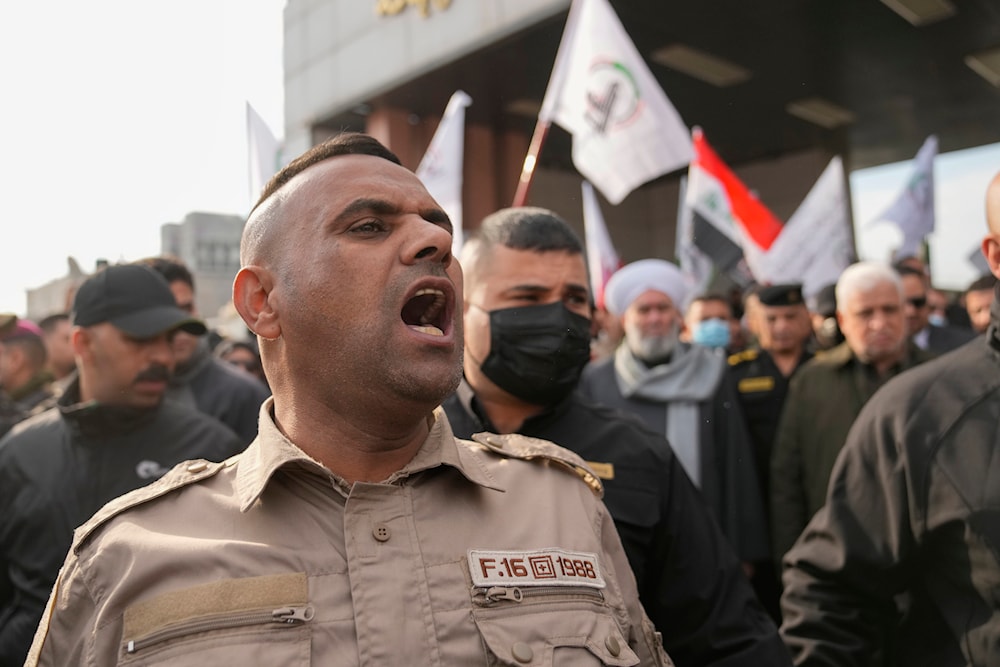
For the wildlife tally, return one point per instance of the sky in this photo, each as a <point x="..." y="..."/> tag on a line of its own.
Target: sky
<point x="121" y="115"/>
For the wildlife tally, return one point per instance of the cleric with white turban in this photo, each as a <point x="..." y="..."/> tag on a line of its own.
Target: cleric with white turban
<point x="632" y="280"/>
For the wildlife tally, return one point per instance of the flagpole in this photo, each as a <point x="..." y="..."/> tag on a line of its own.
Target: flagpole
<point x="530" y="161"/>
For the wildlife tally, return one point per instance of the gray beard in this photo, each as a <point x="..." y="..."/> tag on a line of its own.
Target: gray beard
<point x="651" y="349"/>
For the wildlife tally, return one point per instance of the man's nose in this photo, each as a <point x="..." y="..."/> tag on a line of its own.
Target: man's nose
<point x="161" y="351"/>
<point x="428" y="241"/>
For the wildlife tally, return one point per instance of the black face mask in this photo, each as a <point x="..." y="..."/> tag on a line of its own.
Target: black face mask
<point x="537" y="352"/>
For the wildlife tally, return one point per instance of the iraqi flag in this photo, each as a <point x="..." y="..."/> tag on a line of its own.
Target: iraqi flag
<point x="602" y="259"/>
<point x="727" y="221"/>
<point x="625" y="130"/>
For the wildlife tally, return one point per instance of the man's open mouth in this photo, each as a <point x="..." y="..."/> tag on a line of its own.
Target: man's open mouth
<point x="426" y="311"/>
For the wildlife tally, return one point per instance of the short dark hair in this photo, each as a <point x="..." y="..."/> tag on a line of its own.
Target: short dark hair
<point x="528" y="228"/>
<point x="49" y="323"/>
<point x="345" y="143"/>
<point x="709" y="297"/>
<point x="983" y="282"/>
<point x="520" y="228"/>
<point x="907" y="270"/>
<point x="171" y="268"/>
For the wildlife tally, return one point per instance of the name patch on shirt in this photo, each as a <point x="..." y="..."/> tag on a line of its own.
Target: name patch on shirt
<point x="543" y="567"/>
<point x="749" y="385"/>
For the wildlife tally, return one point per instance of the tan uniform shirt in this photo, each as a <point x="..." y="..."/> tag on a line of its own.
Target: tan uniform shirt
<point x="490" y="552"/>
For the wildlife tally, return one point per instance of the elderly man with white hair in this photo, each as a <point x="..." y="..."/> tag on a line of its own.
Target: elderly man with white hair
<point x="681" y="391"/>
<point x="828" y="392"/>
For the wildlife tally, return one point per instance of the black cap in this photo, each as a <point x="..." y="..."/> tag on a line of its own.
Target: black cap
<point x="824" y="301"/>
<point x="135" y="299"/>
<point x="781" y="295"/>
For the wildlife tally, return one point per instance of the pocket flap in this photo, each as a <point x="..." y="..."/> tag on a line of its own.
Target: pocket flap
<point x="530" y="638"/>
<point x="218" y="597"/>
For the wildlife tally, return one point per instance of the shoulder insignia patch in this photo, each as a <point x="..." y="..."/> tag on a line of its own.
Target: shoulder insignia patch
<point x="745" y="355"/>
<point x="181" y="475"/>
<point x="517" y="446"/>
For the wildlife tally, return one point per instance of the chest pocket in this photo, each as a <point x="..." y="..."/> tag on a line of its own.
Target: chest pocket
<point x="247" y="622"/>
<point x="550" y="626"/>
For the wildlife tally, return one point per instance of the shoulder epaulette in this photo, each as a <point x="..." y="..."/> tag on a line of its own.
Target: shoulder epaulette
<point x="517" y="446"/>
<point x="181" y="475"/>
<point x="745" y="355"/>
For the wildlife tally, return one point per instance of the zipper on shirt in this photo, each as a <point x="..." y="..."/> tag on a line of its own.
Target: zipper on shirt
<point x="283" y="616"/>
<point x="488" y="596"/>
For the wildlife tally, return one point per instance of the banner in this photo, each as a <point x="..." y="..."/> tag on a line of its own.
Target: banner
<point x="625" y="130"/>
<point x="263" y="154"/>
<point x="602" y="260"/>
<point x="816" y="244"/>
<point x="913" y="210"/>
<point x="440" y="170"/>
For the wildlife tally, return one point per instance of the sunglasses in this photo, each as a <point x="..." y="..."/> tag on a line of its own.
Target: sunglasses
<point x="918" y="302"/>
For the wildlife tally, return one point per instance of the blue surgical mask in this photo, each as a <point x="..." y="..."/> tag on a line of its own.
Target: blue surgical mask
<point x="711" y="333"/>
<point x="937" y="319"/>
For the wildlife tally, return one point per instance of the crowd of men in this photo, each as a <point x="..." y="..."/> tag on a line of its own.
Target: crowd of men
<point x="424" y="459"/>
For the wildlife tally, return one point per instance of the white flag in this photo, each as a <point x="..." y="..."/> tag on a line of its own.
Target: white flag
<point x="815" y="245"/>
<point x="263" y="153"/>
<point x="913" y="210"/>
<point x="441" y="167"/>
<point x="625" y="130"/>
<point x="602" y="260"/>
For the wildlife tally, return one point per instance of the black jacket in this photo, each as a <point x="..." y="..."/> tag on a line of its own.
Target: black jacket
<point x="220" y="390"/>
<point x="690" y="581"/>
<point x="912" y="515"/>
<point x="58" y="468"/>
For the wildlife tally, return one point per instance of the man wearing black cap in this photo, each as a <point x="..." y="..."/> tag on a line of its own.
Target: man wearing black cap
<point x="110" y="433"/>
<point x="761" y="376"/>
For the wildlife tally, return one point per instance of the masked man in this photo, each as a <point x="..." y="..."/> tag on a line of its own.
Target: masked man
<point x="527" y="329"/>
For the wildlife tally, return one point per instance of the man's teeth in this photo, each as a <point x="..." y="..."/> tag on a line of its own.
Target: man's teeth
<point x="434" y="308"/>
<point x="432" y="330"/>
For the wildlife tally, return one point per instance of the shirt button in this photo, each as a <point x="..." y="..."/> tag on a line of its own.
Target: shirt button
<point x="614" y="648"/>
<point x="381" y="532"/>
<point x="522" y="652"/>
<point x="196" y="467"/>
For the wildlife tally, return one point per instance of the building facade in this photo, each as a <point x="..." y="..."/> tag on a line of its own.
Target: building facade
<point x="779" y="88"/>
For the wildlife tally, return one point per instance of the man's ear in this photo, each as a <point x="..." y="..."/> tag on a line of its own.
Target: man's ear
<point x="80" y="338"/>
<point x="991" y="251"/>
<point x="253" y="301"/>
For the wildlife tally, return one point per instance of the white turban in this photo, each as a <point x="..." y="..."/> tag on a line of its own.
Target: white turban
<point x="632" y="280"/>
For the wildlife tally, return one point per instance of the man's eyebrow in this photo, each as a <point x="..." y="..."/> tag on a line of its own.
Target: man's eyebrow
<point x="366" y="205"/>
<point x="534" y="287"/>
<point x="438" y="217"/>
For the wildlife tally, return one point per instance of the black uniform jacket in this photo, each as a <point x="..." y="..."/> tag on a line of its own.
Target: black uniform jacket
<point x="690" y="581"/>
<point x="905" y="555"/>
<point x="58" y="468"/>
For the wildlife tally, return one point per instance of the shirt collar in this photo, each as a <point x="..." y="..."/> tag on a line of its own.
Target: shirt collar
<point x="271" y="451"/>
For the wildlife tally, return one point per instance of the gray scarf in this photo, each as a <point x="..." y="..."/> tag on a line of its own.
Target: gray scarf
<point x="690" y="377"/>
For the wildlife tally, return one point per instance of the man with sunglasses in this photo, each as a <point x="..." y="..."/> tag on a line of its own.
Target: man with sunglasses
<point x="935" y="339"/>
